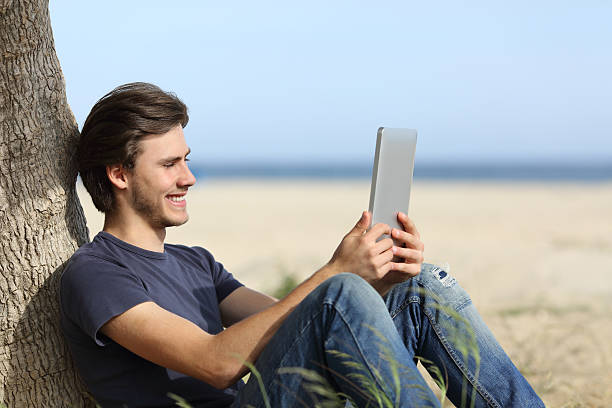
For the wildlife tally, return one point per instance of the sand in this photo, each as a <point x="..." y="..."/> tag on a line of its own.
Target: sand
<point x="536" y="258"/>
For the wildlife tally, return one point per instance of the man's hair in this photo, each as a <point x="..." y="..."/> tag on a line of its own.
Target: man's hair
<point x="114" y="128"/>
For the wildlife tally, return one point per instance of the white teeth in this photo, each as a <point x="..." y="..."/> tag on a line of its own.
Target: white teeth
<point x="176" y="198"/>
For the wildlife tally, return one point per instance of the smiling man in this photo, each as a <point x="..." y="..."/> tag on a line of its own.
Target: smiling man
<point x="155" y="198"/>
<point x="145" y="319"/>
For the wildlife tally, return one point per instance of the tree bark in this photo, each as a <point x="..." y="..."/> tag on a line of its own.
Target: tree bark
<point x="41" y="219"/>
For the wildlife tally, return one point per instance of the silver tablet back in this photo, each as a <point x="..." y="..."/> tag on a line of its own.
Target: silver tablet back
<point x="392" y="174"/>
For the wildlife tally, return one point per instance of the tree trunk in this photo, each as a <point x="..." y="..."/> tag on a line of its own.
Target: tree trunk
<point x="41" y="219"/>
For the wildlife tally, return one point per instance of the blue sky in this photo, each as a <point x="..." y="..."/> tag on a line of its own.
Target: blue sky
<point x="285" y="82"/>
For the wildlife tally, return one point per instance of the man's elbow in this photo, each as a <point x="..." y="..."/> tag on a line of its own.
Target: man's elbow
<point x="223" y="366"/>
<point x="226" y="377"/>
<point x="224" y="374"/>
<point x="219" y="382"/>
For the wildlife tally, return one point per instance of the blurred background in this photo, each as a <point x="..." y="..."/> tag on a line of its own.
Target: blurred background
<point x="308" y="83"/>
<point x="513" y="176"/>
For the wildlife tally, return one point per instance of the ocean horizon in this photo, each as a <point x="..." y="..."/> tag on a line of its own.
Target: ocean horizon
<point x="451" y="172"/>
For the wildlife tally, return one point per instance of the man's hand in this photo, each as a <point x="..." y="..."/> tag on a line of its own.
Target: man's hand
<point x="359" y="253"/>
<point x="411" y="251"/>
<point x="412" y="248"/>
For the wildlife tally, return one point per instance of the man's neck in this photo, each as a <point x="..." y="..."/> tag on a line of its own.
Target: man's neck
<point x="137" y="232"/>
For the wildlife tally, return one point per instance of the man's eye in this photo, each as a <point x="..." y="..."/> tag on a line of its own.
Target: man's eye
<point x="169" y="164"/>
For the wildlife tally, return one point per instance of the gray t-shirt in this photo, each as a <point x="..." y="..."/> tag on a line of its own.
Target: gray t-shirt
<point x="106" y="277"/>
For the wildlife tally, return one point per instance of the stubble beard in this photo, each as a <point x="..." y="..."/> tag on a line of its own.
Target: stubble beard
<point x="148" y="207"/>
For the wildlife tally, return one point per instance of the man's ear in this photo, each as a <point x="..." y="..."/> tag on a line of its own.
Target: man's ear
<point x="117" y="174"/>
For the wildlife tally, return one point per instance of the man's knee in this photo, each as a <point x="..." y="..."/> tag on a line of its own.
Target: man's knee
<point x="348" y="281"/>
<point x="437" y="283"/>
<point x="350" y="291"/>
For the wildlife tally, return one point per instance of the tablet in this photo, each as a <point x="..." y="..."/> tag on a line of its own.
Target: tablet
<point x="392" y="175"/>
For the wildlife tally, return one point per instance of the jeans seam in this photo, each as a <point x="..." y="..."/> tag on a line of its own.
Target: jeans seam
<point x="302" y="331"/>
<point x="464" y="304"/>
<point x="368" y="363"/>
<point x="401" y="307"/>
<point x="282" y="361"/>
<point x="475" y="383"/>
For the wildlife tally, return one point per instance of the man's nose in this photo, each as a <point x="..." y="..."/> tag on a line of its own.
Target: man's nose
<point x="187" y="178"/>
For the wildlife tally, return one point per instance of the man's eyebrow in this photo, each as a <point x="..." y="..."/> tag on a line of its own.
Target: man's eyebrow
<point x="170" y="159"/>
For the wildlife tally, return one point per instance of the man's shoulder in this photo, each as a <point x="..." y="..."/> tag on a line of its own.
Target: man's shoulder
<point x="93" y="252"/>
<point x="89" y="262"/>
<point x="194" y="253"/>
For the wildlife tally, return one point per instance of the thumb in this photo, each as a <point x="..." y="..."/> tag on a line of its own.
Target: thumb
<point x="362" y="225"/>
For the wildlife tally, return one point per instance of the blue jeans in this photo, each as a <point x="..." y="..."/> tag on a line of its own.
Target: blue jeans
<point x="345" y="342"/>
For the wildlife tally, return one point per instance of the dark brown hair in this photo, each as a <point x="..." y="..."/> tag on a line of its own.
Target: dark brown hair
<point x="113" y="129"/>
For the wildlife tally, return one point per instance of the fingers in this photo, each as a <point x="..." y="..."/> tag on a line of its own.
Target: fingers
<point x="382" y="245"/>
<point x="372" y="256"/>
<point x="410" y="269"/>
<point x="408" y="225"/>
<point x="362" y="225"/>
<point x="410" y="240"/>
<point x="413" y="256"/>
<point x="382" y="252"/>
<point x="376" y="231"/>
<point x="393" y="272"/>
<point x="382" y="261"/>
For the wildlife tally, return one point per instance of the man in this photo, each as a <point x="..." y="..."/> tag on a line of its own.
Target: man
<point x="145" y="320"/>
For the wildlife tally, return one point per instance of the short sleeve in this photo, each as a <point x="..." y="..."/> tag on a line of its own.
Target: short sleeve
<point x="224" y="281"/>
<point x="94" y="290"/>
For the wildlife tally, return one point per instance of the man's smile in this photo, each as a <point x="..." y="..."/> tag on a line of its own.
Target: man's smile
<point x="177" y="200"/>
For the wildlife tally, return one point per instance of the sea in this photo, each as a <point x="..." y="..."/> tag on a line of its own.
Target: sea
<point x="597" y="172"/>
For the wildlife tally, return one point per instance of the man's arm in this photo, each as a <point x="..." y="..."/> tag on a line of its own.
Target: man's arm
<point x="176" y="343"/>
<point x="242" y="303"/>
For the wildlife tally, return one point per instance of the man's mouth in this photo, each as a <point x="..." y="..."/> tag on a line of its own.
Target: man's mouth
<point x="178" y="200"/>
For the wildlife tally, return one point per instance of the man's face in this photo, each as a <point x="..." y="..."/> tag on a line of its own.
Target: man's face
<point x="160" y="178"/>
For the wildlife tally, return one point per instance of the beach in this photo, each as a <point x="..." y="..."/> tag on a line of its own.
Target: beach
<point x="535" y="257"/>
